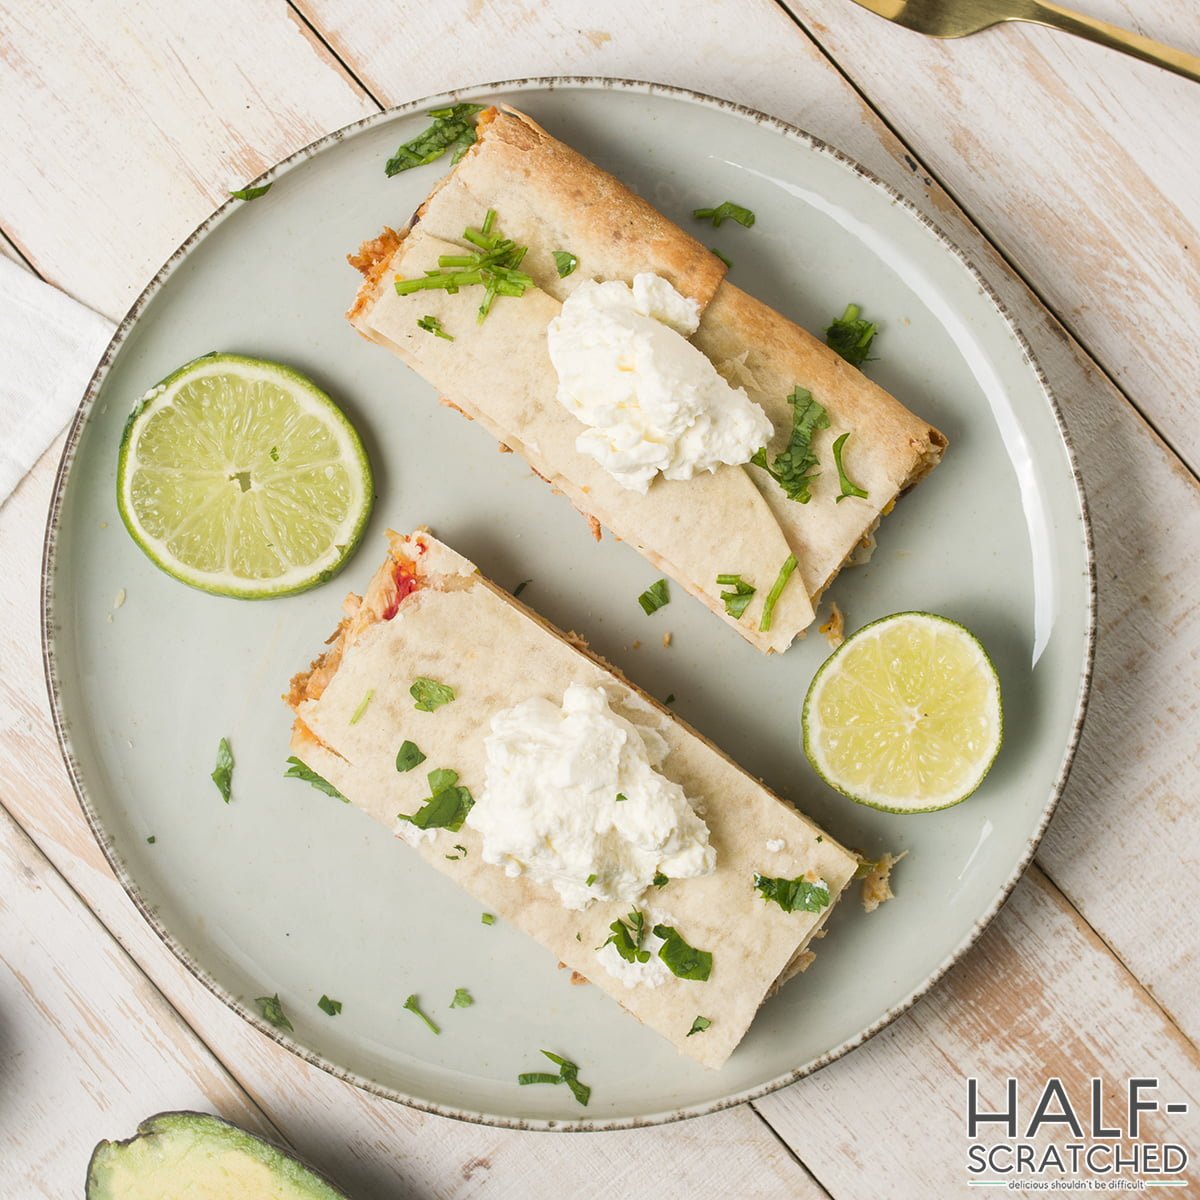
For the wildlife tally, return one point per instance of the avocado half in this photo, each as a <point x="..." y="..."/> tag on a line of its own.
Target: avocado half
<point x="200" y="1157"/>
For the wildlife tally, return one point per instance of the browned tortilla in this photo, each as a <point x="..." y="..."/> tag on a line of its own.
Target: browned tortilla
<point x="457" y="628"/>
<point x="548" y="197"/>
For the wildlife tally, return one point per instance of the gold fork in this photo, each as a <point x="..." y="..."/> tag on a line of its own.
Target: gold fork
<point x="957" y="18"/>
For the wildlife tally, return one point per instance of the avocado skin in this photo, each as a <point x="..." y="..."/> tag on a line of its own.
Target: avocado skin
<point x="190" y="1130"/>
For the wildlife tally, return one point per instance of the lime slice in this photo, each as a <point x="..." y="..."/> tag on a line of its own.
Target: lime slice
<point x="241" y="477"/>
<point x="905" y="715"/>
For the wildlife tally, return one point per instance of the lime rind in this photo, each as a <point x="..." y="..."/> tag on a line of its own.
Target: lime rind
<point x="964" y="680"/>
<point x="258" y="494"/>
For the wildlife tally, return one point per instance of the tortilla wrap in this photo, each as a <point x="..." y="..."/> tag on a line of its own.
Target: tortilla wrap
<point x="549" y="197"/>
<point x="428" y="612"/>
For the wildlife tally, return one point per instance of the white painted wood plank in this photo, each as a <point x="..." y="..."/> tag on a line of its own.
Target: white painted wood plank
<point x="1080" y="164"/>
<point x="88" y="1046"/>
<point x="125" y="124"/>
<point x="1125" y="801"/>
<point x="1037" y="997"/>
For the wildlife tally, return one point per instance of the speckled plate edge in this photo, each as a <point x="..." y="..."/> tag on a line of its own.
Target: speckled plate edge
<point x="50" y="552"/>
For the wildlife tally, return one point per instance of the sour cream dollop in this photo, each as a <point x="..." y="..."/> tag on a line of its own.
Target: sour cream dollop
<point x="652" y="401"/>
<point x="550" y="808"/>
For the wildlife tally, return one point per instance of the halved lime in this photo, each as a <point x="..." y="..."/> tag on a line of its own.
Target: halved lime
<point x="241" y="477"/>
<point x="905" y="715"/>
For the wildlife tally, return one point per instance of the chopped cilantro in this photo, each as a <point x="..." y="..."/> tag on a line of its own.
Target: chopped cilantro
<point x="488" y="919"/>
<point x="332" y="1007"/>
<point x="727" y="211"/>
<point x="591" y="879"/>
<point x="151" y="840"/>
<point x="429" y="694"/>
<point x="446" y="807"/>
<point x="462" y="853"/>
<point x="627" y="936"/>
<point x="851" y="336"/>
<point x="699" y="1025"/>
<point x="297" y="770"/>
<point x="413" y="1007"/>
<point x="794" y="895"/>
<point x="521" y="587"/>
<point x="362" y="706"/>
<point x="251" y="193"/>
<point x="222" y="773"/>
<point x="737" y="598"/>
<point x="274" y="453"/>
<point x="462" y="998"/>
<point x="722" y="257"/>
<point x="792" y="468"/>
<point x="670" y="698"/>
<point x="654" y="597"/>
<point x="621" y="797"/>
<point x="785" y="573"/>
<point x="433" y="325"/>
<point x="452" y="129"/>
<point x="566" y="262"/>
<point x="493" y="265"/>
<point x="568" y="1073"/>
<point x="849" y="488"/>
<point x="661" y="880"/>
<point x="408" y="756"/>
<point x="685" y="961"/>
<point x="272" y="1011"/>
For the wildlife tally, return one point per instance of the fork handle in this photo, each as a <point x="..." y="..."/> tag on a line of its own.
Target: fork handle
<point x="1046" y="13"/>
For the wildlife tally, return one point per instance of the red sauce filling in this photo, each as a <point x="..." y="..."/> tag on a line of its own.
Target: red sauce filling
<point x="404" y="576"/>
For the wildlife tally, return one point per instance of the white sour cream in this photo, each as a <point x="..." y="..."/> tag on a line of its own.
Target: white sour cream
<point x="549" y="807"/>
<point x="652" y="402"/>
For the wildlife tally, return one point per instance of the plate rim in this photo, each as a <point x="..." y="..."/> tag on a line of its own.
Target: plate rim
<point x="50" y="559"/>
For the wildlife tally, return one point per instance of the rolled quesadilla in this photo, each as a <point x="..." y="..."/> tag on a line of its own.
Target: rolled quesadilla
<point x="731" y="518"/>
<point x="564" y="799"/>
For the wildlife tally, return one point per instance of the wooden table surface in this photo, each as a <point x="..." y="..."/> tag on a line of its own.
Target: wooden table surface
<point x="1071" y="175"/>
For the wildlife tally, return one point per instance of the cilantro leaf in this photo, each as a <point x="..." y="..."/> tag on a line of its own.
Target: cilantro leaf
<point x="654" y="597"/>
<point x="684" y="961"/>
<point x="493" y="264"/>
<point x="487" y="918"/>
<point x="661" y="880"/>
<point x="332" y="1007"/>
<point x="568" y="1073"/>
<point x="785" y="573"/>
<point x="413" y="1007"/>
<point x="434" y="325"/>
<point x="521" y="587"/>
<point x="851" y="336"/>
<point x="429" y="694"/>
<point x="627" y="936"/>
<point x="408" y="756"/>
<point x="272" y="1011"/>
<point x="792" y="468"/>
<point x="699" y="1025"/>
<point x="738" y="598"/>
<point x="722" y="257"/>
<point x="462" y="998"/>
<point x="222" y="773"/>
<point x="297" y="770"/>
<point x="794" y="895"/>
<point x="566" y="262"/>
<point x="448" y="805"/>
<point x="727" y="211"/>
<point x="452" y="128"/>
<point x="251" y="193"/>
<point x="849" y="488"/>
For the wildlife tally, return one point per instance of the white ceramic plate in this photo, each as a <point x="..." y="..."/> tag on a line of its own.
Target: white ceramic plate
<point x="287" y="891"/>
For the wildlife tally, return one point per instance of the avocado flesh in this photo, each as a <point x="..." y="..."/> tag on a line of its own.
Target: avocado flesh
<point x="193" y="1156"/>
